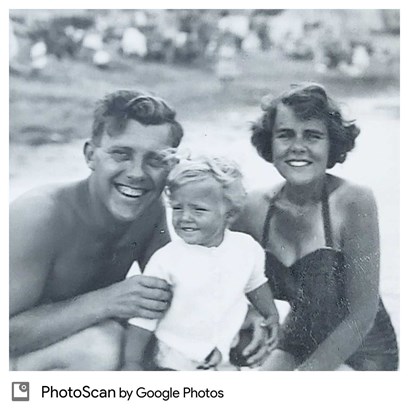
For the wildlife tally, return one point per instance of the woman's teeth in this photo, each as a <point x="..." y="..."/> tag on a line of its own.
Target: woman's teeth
<point x="298" y="163"/>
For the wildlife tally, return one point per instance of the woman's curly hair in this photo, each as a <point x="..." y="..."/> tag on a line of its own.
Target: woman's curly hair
<point x="308" y="101"/>
<point x="113" y="112"/>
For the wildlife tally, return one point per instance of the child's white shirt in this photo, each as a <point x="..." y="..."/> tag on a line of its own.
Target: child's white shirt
<point x="209" y="286"/>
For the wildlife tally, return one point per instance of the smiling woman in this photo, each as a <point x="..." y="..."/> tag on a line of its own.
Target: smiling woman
<point x="321" y="239"/>
<point x="300" y="147"/>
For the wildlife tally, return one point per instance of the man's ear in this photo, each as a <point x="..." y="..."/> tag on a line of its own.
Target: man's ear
<point x="89" y="154"/>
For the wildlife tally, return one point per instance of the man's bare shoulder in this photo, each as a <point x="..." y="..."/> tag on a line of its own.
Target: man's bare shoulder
<point x="41" y="204"/>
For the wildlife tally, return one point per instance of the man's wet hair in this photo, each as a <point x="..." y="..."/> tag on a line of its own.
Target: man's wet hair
<point x="113" y="112"/>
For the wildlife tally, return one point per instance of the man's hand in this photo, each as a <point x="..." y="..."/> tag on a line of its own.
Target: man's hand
<point x="139" y="296"/>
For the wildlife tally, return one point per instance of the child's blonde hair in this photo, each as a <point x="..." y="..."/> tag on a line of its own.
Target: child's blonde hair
<point x="224" y="171"/>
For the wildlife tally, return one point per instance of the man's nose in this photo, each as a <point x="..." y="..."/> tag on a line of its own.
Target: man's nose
<point x="135" y="169"/>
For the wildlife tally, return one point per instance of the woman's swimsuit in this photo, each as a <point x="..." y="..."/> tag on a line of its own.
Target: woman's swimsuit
<point x="314" y="286"/>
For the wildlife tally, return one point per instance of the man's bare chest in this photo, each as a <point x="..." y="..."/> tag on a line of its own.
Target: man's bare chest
<point x="84" y="265"/>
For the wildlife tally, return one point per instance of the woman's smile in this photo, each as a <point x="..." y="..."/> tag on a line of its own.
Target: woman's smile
<point x="298" y="163"/>
<point x="300" y="147"/>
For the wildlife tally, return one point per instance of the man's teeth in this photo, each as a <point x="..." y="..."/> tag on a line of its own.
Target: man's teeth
<point x="298" y="163"/>
<point x="130" y="191"/>
<point x="188" y="229"/>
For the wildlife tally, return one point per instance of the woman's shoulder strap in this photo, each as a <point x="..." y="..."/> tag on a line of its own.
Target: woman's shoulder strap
<point x="271" y="206"/>
<point x="326" y="217"/>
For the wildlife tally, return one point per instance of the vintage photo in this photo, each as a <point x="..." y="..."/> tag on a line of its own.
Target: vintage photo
<point x="199" y="190"/>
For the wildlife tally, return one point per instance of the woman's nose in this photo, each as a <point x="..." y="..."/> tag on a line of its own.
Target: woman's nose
<point x="298" y="145"/>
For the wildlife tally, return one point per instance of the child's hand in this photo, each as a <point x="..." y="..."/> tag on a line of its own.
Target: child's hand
<point x="255" y="349"/>
<point x="271" y="325"/>
<point x="212" y="360"/>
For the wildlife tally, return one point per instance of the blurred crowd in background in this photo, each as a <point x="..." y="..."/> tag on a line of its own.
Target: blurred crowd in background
<point x="349" y="41"/>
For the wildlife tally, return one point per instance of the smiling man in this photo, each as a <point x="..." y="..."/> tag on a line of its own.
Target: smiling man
<point x="72" y="245"/>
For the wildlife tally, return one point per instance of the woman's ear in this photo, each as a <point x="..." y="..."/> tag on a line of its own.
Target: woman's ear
<point x="89" y="154"/>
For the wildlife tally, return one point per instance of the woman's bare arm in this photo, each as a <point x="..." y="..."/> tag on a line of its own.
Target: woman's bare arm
<point x="360" y="245"/>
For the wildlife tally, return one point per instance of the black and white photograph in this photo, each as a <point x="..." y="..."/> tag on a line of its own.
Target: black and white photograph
<point x="204" y="190"/>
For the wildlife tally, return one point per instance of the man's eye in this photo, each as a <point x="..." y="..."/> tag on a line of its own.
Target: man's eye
<point x="119" y="156"/>
<point x="155" y="161"/>
<point x="201" y="209"/>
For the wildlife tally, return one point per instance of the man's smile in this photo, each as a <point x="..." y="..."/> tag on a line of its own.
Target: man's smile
<point x="130" y="192"/>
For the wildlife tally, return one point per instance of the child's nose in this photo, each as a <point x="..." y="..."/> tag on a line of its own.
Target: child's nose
<point x="186" y="215"/>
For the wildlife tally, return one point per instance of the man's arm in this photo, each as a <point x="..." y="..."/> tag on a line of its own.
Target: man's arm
<point x="32" y="240"/>
<point x="44" y="325"/>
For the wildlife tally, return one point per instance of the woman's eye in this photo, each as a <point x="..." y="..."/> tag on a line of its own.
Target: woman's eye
<point x="282" y="135"/>
<point x="314" y="136"/>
